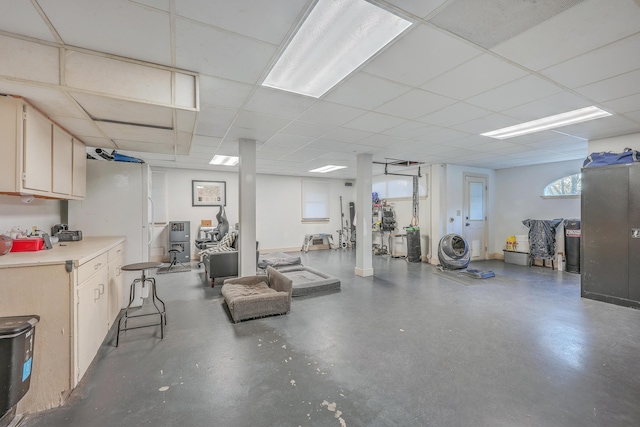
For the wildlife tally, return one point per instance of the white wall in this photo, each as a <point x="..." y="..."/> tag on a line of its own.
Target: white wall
<point x="615" y="144"/>
<point x="42" y="213"/>
<point x="519" y="197"/>
<point x="278" y="206"/>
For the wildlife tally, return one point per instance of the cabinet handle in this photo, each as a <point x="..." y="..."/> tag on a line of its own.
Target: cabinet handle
<point x="97" y="266"/>
<point x="96" y="295"/>
<point x="119" y="270"/>
<point x="101" y="288"/>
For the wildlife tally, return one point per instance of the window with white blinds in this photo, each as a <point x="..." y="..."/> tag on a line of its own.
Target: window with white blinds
<point x="315" y="201"/>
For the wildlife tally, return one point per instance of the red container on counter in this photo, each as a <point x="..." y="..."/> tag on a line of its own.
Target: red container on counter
<point x="28" y="244"/>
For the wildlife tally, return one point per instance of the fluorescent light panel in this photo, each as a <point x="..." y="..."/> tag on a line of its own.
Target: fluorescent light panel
<point x="551" y="122"/>
<point x="224" y="160"/>
<point x="328" y="168"/>
<point x="335" y="39"/>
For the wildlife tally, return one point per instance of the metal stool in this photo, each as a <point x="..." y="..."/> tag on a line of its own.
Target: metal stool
<point x="173" y="255"/>
<point x="143" y="266"/>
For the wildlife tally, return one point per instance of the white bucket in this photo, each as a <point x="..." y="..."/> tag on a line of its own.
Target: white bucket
<point x="523" y="243"/>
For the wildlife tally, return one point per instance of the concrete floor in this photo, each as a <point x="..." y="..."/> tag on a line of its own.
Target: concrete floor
<point x="403" y="348"/>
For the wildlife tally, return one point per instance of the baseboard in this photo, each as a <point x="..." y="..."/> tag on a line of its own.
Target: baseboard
<point x="364" y="272"/>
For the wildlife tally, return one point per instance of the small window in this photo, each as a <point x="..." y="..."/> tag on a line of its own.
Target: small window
<point x="315" y="201"/>
<point x="568" y="186"/>
<point x="398" y="187"/>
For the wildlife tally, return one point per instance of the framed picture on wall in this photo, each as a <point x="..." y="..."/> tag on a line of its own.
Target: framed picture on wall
<point x="208" y="193"/>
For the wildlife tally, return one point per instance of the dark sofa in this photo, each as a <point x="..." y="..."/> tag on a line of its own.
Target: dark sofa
<point x="223" y="262"/>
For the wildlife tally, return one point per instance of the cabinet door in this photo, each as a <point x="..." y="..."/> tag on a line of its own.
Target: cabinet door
<point x="93" y="306"/>
<point x="79" y="169"/>
<point x="37" y="151"/>
<point x="116" y="288"/>
<point x="605" y="216"/>
<point x="62" y="161"/>
<point x="633" y="233"/>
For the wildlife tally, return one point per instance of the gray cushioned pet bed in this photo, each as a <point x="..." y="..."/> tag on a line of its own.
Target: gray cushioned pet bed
<point x="307" y="280"/>
<point x="277" y="260"/>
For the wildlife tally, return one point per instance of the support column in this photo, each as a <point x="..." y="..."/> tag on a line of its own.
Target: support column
<point x="247" y="186"/>
<point x="364" y="255"/>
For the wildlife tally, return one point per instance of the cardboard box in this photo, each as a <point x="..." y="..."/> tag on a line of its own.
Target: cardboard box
<point x="205" y="223"/>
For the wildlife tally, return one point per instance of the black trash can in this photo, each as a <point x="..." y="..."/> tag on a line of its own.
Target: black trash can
<point x="414" y="251"/>
<point x="572" y="245"/>
<point x="17" y="338"/>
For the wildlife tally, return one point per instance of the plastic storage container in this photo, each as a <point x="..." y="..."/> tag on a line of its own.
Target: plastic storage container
<point x="28" y="244"/>
<point x="17" y="339"/>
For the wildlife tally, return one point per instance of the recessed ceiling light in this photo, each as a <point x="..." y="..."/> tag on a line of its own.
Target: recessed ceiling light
<point x="328" y="168"/>
<point x="224" y="160"/>
<point x="551" y="122"/>
<point x="335" y="39"/>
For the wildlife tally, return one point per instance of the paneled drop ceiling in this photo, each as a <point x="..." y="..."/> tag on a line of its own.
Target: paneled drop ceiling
<point x="464" y="67"/>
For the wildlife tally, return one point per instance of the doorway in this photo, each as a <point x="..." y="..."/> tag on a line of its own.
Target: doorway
<point x="475" y="215"/>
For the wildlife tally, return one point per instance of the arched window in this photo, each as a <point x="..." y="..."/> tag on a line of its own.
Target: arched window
<point x="568" y="186"/>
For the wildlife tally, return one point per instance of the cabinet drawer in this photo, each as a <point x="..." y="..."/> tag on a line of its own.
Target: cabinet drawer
<point x="87" y="269"/>
<point x="116" y="252"/>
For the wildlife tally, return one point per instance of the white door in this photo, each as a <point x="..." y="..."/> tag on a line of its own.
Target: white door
<point x="475" y="215"/>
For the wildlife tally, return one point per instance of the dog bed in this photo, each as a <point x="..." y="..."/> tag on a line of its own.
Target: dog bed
<point x="308" y="281"/>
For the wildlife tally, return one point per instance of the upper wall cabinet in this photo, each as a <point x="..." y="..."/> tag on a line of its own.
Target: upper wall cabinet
<point x="40" y="158"/>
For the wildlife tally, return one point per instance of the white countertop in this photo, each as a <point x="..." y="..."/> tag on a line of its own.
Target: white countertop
<point x="78" y="252"/>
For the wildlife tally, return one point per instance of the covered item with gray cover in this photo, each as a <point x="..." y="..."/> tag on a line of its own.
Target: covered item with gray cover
<point x="258" y="296"/>
<point x="542" y="237"/>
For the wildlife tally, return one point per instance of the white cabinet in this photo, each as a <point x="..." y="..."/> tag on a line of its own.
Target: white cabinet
<point x="36" y="173"/>
<point x="79" y="177"/>
<point x="62" y="161"/>
<point x="116" y="282"/>
<point x="93" y="307"/>
<point x="39" y="157"/>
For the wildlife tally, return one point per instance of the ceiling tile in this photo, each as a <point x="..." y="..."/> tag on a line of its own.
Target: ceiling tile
<point x="104" y="108"/>
<point x="50" y="101"/>
<point x="346" y="135"/>
<point x="613" y="88"/>
<point x="415" y="103"/>
<point x="20" y="17"/>
<point x="486" y="124"/>
<point x="411" y="129"/>
<point x="302" y="128"/>
<point x="582" y="28"/>
<point x="236" y="133"/>
<point x="278" y="103"/>
<point x="625" y="104"/>
<point x="374" y="122"/>
<point x="303" y="155"/>
<point x="228" y="55"/>
<point x="362" y="90"/>
<point x="248" y="119"/>
<point x="111" y="26"/>
<point x="331" y="114"/>
<point x="79" y="127"/>
<point x="424" y="53"/>
<point x="288" y="140"/>
<point x="480" y="74"/>
<point x="555" y="104"/>
<point x="515" y="93"/>
<point x="223" y="92"/>
<point x="457" y="113"/>
<point x="420" y="8"/>
<point x="267" y="21"/>
<point x="600" y="64"/>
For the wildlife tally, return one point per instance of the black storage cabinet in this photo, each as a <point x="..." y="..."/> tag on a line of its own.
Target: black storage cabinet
<point x="610" y="235"/>
<point x="17" y="338"/>
<point x="572" y="245"/>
